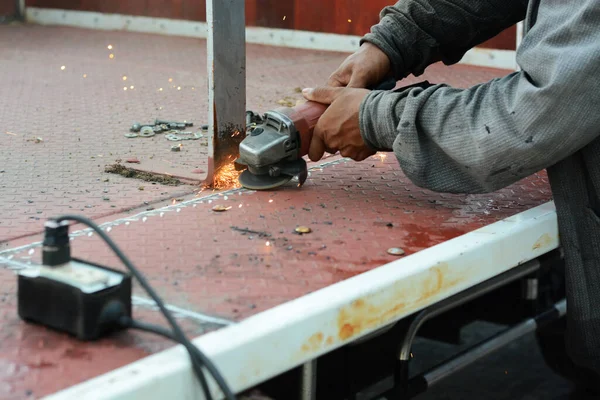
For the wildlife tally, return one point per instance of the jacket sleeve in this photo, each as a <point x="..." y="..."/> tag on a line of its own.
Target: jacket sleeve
<point x="417" y="33"/>
<point x="491" y="135"/>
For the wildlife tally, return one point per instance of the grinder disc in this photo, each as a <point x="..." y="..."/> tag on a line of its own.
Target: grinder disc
<point x="262" y="182"/>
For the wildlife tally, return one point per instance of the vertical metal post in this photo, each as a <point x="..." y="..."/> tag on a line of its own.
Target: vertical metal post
<point x="226" y="80"/>
<point x="309" y="381"/>
<point x="21" y="9"/>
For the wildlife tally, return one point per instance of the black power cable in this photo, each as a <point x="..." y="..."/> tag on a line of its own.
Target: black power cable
<point x="198" y="358"/>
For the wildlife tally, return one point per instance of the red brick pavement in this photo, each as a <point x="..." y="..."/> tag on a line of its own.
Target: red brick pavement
<point x="356" y="211"/>
<point x="82" y="120"/>
<point x="189" y="253"/>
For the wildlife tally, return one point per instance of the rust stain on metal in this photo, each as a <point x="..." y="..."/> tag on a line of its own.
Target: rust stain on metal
<point x="544" y="241"/>
<point x="361" y="314"/>
<point x="313" y="343"/>
<point x="330" y="340"/>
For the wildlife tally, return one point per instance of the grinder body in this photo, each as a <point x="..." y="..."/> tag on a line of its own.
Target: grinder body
<point x="276" y="143"/>
<point x="272" y="150"/>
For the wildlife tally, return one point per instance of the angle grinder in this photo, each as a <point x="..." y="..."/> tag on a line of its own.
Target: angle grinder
<point x="276" y="142"/>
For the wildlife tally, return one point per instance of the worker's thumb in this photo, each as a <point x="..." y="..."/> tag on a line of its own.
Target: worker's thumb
<point x="322" y="94"/>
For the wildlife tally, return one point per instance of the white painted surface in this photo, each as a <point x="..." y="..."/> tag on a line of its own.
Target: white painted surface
<point x="256" y="35"/>
<point x="287" y="336"/>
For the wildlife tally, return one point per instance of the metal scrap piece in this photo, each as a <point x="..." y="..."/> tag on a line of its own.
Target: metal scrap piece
<point x="395" y="251"/>
<point x="176" y="136"/>
<point x="246" y="230"/>
<point x="147" y="131"/>
<point x="165" y="122"/>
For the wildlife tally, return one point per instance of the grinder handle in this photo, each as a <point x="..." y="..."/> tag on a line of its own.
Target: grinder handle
<point x="305" y="117"/>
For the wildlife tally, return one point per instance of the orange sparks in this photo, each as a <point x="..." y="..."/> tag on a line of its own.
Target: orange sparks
<point x="226" y="178"/>
<point x="381" y="156"/>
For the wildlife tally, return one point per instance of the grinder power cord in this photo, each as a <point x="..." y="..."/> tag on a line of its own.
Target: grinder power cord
<point x="90" y="301"/>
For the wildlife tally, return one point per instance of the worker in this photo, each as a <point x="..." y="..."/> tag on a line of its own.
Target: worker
<point x="545" y="115"/>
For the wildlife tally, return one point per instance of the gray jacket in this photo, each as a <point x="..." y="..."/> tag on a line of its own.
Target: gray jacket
<point x="480" y="139"/>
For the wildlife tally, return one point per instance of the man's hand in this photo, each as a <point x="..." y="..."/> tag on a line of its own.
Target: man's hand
<point x="338" y="128"/>
<point x="367" y="67"/>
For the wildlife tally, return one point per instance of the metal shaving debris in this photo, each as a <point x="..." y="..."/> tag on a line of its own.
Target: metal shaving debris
<point x="173" y="128"/>
<point x="395" y="251"/>
<point x="303" y="229"/>
<point x="245" y="230"/>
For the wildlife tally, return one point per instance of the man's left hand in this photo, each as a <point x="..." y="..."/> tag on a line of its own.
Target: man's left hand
<point x="338" y="128"/>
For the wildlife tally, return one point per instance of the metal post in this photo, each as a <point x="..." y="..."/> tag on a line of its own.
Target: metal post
<point x="309" y="381"/>
<point x="226" y="80"/>
<point x="21" y="9"/>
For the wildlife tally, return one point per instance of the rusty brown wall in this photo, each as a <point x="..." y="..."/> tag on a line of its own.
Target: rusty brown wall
<point x="353" y="17"/>
<point x="8" y="8"/>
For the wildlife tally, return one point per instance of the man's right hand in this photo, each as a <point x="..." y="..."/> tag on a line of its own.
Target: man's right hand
<point x="367" y="67"/>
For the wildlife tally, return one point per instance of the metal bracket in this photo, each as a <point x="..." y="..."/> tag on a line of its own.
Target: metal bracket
<point x="404" y="387"/>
